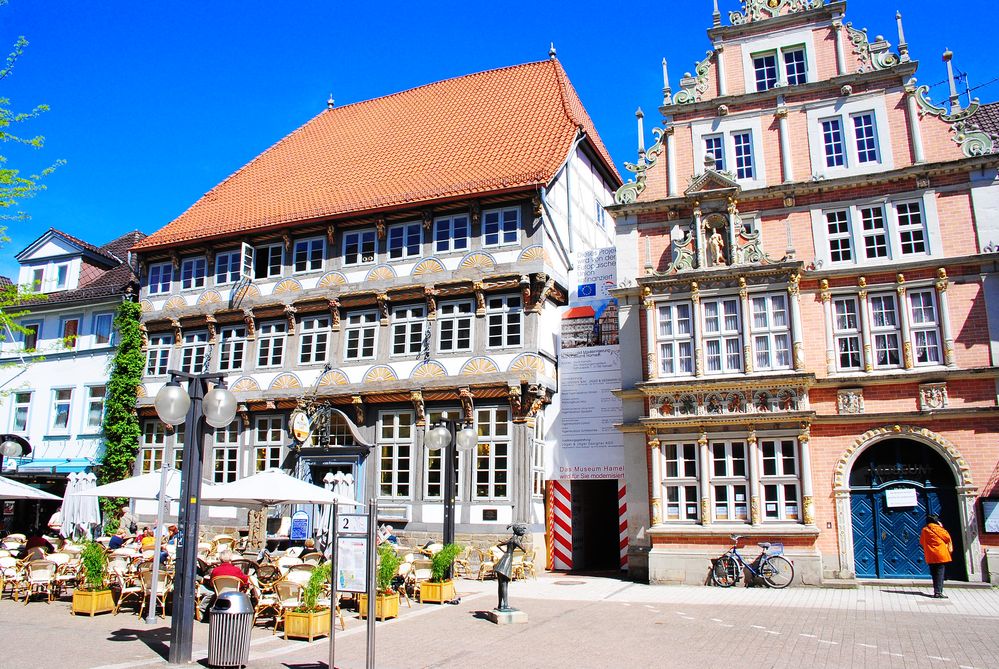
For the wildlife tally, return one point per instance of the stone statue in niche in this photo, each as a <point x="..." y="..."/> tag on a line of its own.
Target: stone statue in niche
<point x="716" y="248"/>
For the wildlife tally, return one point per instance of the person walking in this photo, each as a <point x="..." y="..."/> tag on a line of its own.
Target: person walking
<point x="937" y="548"/>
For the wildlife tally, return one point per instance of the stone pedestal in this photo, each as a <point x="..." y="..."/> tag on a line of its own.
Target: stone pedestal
<point x="512" y="617"/>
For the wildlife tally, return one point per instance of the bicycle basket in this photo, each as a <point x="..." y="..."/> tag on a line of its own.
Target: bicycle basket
<point x="774" y="549"/>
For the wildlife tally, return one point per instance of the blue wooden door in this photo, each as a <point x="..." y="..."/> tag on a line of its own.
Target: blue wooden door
<point x="886" y="539"/>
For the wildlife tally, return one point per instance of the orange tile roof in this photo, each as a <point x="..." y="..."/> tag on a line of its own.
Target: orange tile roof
<point x="494" y="131"/>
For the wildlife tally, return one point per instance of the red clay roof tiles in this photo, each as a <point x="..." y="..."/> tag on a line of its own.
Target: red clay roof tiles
<point x="492" y="131"/>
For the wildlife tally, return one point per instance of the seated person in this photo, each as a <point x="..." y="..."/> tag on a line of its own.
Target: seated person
<point x="148" y="540"/>
<point x="171" y="535"/>
<point x="118" y="540"/>
<point x="35" y="547"/>
<point x="227" y="568"/>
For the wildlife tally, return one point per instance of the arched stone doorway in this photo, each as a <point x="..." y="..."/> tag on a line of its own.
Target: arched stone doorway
<point x="885" y="484"/>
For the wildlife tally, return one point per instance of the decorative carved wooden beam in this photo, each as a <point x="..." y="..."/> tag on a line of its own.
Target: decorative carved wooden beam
<point x="430" y="293"/>
<point x="286" y="238"/>
<point x="289" y="314"/>
<point x="480" y="299"/>
<point x="516" y="406"/>
<point x="428" y="219"/>
<point x="417" y="398"/>
<point x="211" y="323"/>
<point x="251" y="332"/>
<point x="334" y="305"/>
<point x="475" y="212"/>
<point x="380" y="227"/>
<point x="467" y="405"/>
<point x="383" y="307"/>
<point x="358" y="405"/>
<point x="177" y="332"/>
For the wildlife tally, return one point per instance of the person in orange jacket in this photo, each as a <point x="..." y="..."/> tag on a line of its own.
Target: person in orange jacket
<point x="937" y="547"/>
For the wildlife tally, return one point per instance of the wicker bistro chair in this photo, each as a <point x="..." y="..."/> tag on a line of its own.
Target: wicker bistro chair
<point x="288" y="595"/>
<point x="286" y="561"/>
<point x="324" y="600"/>
<point x="131" y="589"/>
<point x="222" y="584"/>
<point x="463" y="563"/>
<point x="300" y="573"/>
<point x="39" y="578"/>
<point x="267" y="575"/>
<point x="163" y="587"/>
<point x="11" y="573"/>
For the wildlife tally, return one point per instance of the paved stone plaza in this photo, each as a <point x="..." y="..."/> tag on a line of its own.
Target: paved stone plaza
<point x="581" y="621"/>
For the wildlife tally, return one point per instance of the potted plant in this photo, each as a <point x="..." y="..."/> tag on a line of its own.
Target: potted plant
<point x="310" y="620"/>
<point x="440" y="587"/>
<point x="386" y="599"/>
<point x="92" y="595"/>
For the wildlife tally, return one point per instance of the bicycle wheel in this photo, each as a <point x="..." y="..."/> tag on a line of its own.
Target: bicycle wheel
<point x="725" y="572"/>
<point x="777" y="571"/>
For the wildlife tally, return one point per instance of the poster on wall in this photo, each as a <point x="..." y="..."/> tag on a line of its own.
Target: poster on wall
<point x="590" y="447"/>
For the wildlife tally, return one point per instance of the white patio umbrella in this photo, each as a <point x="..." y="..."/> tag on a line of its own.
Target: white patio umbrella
<point x="326" y="518"/>
<point x="13" y="490"/>
<point x="69" y="505"/>
<point x="146" y="486"/>
<point x="87" y="511"/>
<point x="269" y="488"/>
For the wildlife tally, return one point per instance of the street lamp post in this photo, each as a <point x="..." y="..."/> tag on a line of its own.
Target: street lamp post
<point x="13" y="446"/>
<point x="174" y="406"/>
<point x="445" y="434"/>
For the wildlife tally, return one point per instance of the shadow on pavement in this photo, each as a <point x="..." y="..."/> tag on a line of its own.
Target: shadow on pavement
<point x="914" y="593"/>
<point x="155" y="639"/>
<point x="309" y="665"/>
<point x="480" y="615"/>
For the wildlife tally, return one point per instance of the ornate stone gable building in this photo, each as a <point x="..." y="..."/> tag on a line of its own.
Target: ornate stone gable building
<point x="811" y="248"/>
<point x="389" y="262"/>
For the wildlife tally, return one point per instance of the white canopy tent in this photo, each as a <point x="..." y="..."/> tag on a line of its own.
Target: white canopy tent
<point x="14" y="490"/>
<point x="269" y="488"/>
<point x="145" y="486"/>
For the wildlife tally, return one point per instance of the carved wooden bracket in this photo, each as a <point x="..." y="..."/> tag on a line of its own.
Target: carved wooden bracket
<point x="380" y="227"/>
<point x="251" y="331"/>
<point x="330" y="232"/>
<point x="177" y="332"/>
<point x="539" y="398"/>
<point x="244" y="416"/>
<point x="286" y="238"/>
<point x="514" y="394"/>
<point x="536" y="205"/>
<point x="175" y="260"/>
<point x="289" y="314"/>
<point x="144" y="333"/>
<point x="431" y="293"/>
<point x="358" y="404"/>
<point x="334" y="305"/>
<point x="416" y="397"/>
<point x="480" y="299"/>
<point x="525" y="290"/>
<point x="467" y="405"/>
<point x="212" y="330"/>
<point x="383" y="307"/>
<point x="475" y="212"/>
<point x="428" y="219"/>
<point x="546" y="288"/>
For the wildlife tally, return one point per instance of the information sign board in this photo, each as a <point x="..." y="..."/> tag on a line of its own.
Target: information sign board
<point x="351" y="564"/>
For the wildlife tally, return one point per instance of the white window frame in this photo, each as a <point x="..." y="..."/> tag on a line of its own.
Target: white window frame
<point x="785" y="508"/>
<point x="232" y="348"/>
<point x="396" y="443"/>
<point x="62" y="276"/>
<point x="723" y="335"/>
<point x="190" y="279"/>
<point x="870" y="236"/>
<point x="795" y="48"/>
<point x="54" y="425"/>
<point x="863" y="153"/>
<point x="884" y="330"/>
<point x="263" y="258"/>
<point x="159" y="278"/>
<point x="228" y="267"/>
<point x="505" y="312"/>
<point x="194" y="350"/>
<point x="910" y="228"/>
<point x="225" y="452"/>
<point x="844" y="332"/>
<point x="790" y="39"/>
<point x="729" y="126"/>
<point x="744" y="171"/>
<point x="310" y="246"/>
<point x="37" y="284"/>
<point x="71" y="342"/>
<point x="360" y="237"/>
<point x="768" y="333"/>
<point x="846" y="111"/>
<point x="97" y="329"/>
<point x="158" y="354"/>
<point x="670" y="340"/>
<point x="927" y="227"/>
<point x="843" y="217"/>
<point x="409" y="325"/>
<point x="17" y="403"/>
<point x="493" y="454"/>
<point x="446" y="239"/>
<point x="359" y="326"/>
<point x="268" y="442"/>
<point x="833" y="150"/>
<point x="153" y="447"/>
<point x="314" y="340"/>
<point x="538" y="458"/>
<point x="729" y="481"/>
<point x="763" y="84"/>
<point x="680" y="487"/>
<point x="403" y="234"/>
<point x="717" y="149"/>
<point x="23" y="336"/>
<point x="924" y="327"/>
<point x="503" y="233"/>
<point x="272" y="344"/>
<point x="91" y="400"/>
<point x="451" y="313"/>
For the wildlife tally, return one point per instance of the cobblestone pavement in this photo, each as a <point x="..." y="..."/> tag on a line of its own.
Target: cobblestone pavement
<point x="582" y="622"/>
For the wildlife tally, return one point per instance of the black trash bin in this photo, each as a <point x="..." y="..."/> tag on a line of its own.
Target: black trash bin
<point x="229" y="627"/>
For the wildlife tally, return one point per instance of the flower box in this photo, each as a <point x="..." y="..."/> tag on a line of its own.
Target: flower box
<point x="92" y="602"/>
<point x="437" y="592"/>
<point x="386" y="606"/>
<point x="306" y="625"/>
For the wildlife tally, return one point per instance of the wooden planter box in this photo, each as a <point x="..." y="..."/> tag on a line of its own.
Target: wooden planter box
<point x="437" y="592"/>
<point x="386" y="606"/>
<point x="306" y="625"/>
<point x="92" y="602"/>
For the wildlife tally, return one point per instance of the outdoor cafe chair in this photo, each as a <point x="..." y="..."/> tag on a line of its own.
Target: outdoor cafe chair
<point x="266" y="601"/>
<point x="300" y="573"/>
<point x="4" y="552"/>
<point x="324" y="600"/>
<point x="163" y="587"/>
<point x="487" y="560"/>
<point x="285" y="562"/>
<point x="130" y="590"/>
<point x="313" y="558"/>
<point x="463" y="563"/>
<point x="294" y="552"/>
<point x="267" y="574"/>
<point x="404" y="576"/>
<point x="432" y="549"/>
<point x="222" y="584"/>
<point x="11" y="573"/>
<point x="289" y="595"/>
<point x="39" y="578"/>
<point x="221" y="543"/>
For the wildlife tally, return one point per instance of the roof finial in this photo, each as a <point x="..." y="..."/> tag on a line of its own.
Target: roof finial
<point x="640" y="115"/>
<point x="955" y="100"/>
<point x="551" y="51"/>
<point x="903" y="46"/>
<point x="329" y="103"/>
<point x="716" y="16"/>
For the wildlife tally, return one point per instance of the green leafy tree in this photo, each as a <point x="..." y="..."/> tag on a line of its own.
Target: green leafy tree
<point x="121" y="422"/>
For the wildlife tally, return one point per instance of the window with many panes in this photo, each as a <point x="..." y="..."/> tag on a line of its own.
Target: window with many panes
<point x="158" y="354"/>
<point x="838" y="235"/>
<point x="271" y="343"/>
<point x="160" y="277"/>
<point x="675" y="337"/>
<point x="102" y="329"/>
<point x="866" y="137"/>
<point x="408" y="326"/>
<point x="538" y="458"/>
<point x="911" y="232"/>
<point x="714" y="147"/>
<point x="405" y="240"/>
<point x="193" y="272"/>
<point x="874" y="231"/>
<point x="787" y="66"/>
<point x="832" y="142"/>
<point x="729" y="482"/>
<point x="846" y="334"/>
<point x="454" y="326"/>
<point x="395" y="444"/>
<point x="94" y="408"/>
<point x="451" y="233"/>
<point x="313" y="340"/>
<point x="765" y="70"/>
<point x="151" y="451"/>
<point x="501" y="226"/>
<point x="359" y="247"/>
<point x="771" y="332"/>
<point x="795" y="67"/>
<point x="680" y="482"/>
<point x="722" y="339"/>
<point x="504" y="317"/>
<point x="433" y="480"/>
<point x="885" y="331"/>
<point x="228" y="267"/>
<point x="21" y="411"/>
<point x="492" y="453"/>
<point x="308" y="254"/>
<point x="268" y="261"/>
<point x="62" y="401"/>
<point x="779" y="479"/>
<point x="360" y="335"/>
<point x="225" y="453"/>
<point x="268" y="437"/>
<point x="194" y="352"/>
<point x="743" y="143"/>
<point x="232" y="348"/>
<point x="924" y="327"/>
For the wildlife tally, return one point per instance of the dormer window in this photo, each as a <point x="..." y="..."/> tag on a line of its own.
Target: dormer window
<point x="787" y="64"/>
<point x="62" y="277"/>
<point x="37" y="277"/>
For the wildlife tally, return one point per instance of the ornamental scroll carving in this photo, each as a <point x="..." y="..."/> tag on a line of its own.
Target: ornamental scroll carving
<point x="973" y="140"/>
<point x="876" y="55"/>
<point x="630" y="191"/>
<point x="850" y="401"/>
<point x="728" y="402"/>
<point x="692" y="87"/>
<point x="760" y="10"/>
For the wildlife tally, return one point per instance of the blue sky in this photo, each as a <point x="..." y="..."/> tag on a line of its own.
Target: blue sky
<point x="154" y="103"/>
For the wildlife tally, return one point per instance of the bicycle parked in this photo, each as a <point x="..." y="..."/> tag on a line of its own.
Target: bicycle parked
<point x="772" y="567"/>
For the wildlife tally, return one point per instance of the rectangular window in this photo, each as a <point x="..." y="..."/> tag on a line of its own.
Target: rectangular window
<point x="194" y="352"/>
<point x="192" y="273"/>
<point x="228" y="267"/>
<point x="780" y="480"/>
<point x="680" y="482"/>
<point x="102" y="329"/>
<point x="225" y="453"/>
<point x="676" y="345"/>
<point x="875" y="234"/>
<point x="359" y="247"/>
<point x="22" y="406"/>
<point x="361" y="331"/>
<point x="538" y="458"/>
<point x="501" y="226"/>
<point x="153" y="445"/>
<point x="433" y="473"/>
<point x="454" y="326"/>
<point x="30" y="335"/>
<point x="95" y="408"/>
<point x="832" y="141"/>
<point x="37" y="279"/>
<point x="765" y="67"/>
<point x="451" y="233"/>
<point x="795" y="69"/>
<point x="232" y="348"/>
<point x="867" y="144"/>
<point x="838" y="229"/>
<point x="743" y="142"/>
<point x="405" y="240"/>
<point x="504" y="316"/>
<point x="70" y="327"/>
<point x="722" y="340"/>
<point x="924" y="326"/>
<point x="268" y="261"/>
<point x="268" y="440"/>
<point x="492" y="453"/>
<point x="270" y="344"/>
<point x="395" y="446"/>
<point x="309" y="254"/>
<point x="62" y="277"/>
<point x="911" y="233"/>
<point x="729" y="482"/>
<point x="771" y="332"/>
<point x="313" y="340"/>
<point x="160" y="277"/>
<point x="158" y="354"/>
<point x="885" y="331"/>
<point x="714" y="146"/>
<point x="62" y="400"/>
<point x="846" y="333"/>
<point x="408" y="327"/>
